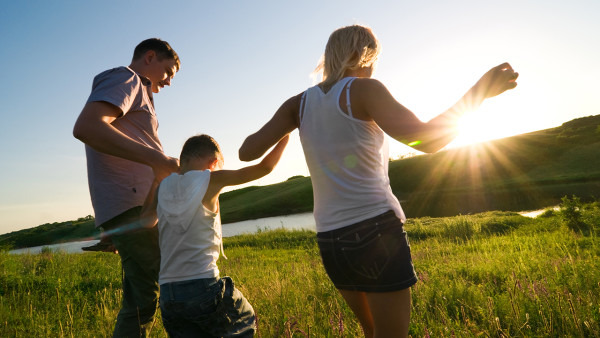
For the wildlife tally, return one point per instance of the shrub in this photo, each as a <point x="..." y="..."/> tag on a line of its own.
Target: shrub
<point x="547" y="213"/>
<point x="501" y="225"/>
<point x="570" y="212"/>
<point x="417" y="230"/>
<point x="46" y="250"/>
<point x="460" y="227"/>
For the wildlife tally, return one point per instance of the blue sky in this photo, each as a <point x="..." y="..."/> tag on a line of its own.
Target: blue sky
<point x="241" y="60"/>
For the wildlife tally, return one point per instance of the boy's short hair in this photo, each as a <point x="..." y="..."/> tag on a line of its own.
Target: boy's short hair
<point x="162" y="48"/>
<point x="200" y="146"/>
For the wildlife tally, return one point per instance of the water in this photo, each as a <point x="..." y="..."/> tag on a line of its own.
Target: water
<point x="297" y="221"/>
<point x="70" y="247"/>
<point x="536" y="213"/>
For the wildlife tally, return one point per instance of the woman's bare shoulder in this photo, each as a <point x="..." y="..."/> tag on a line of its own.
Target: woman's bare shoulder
<point x="293" y="102"/>
<point x="369" y="84"/>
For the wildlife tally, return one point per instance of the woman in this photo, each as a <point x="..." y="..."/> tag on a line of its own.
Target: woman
<point x="359" y="221"/>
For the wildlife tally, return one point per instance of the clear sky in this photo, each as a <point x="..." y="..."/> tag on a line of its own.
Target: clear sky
<point x="242" y="59"/>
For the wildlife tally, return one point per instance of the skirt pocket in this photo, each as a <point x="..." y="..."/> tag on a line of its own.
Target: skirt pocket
<point x="367" y="257"/>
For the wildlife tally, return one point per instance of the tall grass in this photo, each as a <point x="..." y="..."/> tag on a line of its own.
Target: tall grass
<point x="490" y="274"/>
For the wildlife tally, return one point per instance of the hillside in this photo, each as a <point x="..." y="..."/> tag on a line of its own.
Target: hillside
<point x="522" y="172"/>
<point x="50" y="233"/>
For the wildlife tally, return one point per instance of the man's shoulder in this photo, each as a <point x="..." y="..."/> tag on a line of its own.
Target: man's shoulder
<point x="119" y="86"/>
<point x="117" y="74"/>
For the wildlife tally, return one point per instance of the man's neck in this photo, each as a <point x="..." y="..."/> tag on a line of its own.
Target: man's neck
<point x="138" y="68"/>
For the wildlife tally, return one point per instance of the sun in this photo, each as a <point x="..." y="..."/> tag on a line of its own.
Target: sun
<point x="494" y="121"/>
<point x="497" y="118"/>
<point x="476" y="128"/>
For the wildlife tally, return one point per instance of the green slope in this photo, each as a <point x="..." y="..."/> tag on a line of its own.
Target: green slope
<point x="522" y="172"/>
<point x="45" y="234"/>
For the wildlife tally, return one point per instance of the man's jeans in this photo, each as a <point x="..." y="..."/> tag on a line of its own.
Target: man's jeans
<point x="140" y="259"/>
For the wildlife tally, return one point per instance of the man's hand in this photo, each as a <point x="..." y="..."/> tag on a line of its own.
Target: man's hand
<point x="164" y="167"/>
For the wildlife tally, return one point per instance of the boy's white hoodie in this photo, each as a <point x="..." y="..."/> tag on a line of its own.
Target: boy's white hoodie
<point x="180" y="197"/>
<point x="190" y="235"/>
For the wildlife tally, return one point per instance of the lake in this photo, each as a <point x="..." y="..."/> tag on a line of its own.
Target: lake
<point x="536" y="213"/>
<point x="297" y="221"/>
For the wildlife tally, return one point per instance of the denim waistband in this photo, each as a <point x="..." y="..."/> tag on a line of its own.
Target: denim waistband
<point x="182" y="289"/>
<point x="127" y="217"/>
<point x="374" y="221"/>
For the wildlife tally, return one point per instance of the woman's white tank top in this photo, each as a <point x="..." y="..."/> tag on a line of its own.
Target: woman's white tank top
<point x="347" y="159"/>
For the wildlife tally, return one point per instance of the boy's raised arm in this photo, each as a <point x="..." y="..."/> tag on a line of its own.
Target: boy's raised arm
<point x="223" y="178"/>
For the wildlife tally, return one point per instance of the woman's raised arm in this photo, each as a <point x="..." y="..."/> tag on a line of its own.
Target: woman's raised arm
<point x="282" y="123"/>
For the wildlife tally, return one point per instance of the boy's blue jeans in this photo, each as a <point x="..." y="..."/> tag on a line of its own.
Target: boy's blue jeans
<point x="209" y="307"/>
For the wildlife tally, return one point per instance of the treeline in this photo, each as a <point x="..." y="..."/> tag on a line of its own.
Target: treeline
<point x="51" y="233"/>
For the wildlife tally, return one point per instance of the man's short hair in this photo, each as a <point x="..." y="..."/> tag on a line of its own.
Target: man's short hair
<point x="200" y="146"/>
<point x="162" y="48"/>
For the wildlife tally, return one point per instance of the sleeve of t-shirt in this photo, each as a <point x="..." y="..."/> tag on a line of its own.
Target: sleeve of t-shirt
<point x="117" y="86"/>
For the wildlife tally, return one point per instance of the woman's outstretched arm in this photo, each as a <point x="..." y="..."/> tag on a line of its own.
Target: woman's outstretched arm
<point x="376" y="103"/>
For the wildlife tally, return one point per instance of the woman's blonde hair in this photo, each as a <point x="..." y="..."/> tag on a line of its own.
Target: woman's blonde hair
<point x="348" y="48"/>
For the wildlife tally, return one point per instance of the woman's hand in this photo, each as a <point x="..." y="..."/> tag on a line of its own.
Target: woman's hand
<point x="497" y="80"/>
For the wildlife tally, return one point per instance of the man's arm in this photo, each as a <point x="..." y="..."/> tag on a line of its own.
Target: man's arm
<point x="148" y="218"/>
<point x="93" y="127"/>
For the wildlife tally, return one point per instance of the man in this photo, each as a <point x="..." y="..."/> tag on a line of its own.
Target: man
<point x="119" y="128"/>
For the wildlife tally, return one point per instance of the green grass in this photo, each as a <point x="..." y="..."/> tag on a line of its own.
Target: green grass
<point x="489" y="274"/>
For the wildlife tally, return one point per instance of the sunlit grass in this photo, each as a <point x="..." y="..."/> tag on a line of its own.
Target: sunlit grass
<point x="489" y="274"/>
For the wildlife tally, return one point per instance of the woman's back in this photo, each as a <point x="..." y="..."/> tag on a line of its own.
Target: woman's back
<point x="347" y="159"/>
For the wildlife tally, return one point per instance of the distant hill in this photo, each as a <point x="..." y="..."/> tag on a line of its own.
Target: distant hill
<point x="522" y="172"/>
<point x="50" y="233"/>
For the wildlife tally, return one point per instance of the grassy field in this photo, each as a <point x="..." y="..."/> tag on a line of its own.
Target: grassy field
<point x="488" y="274"/>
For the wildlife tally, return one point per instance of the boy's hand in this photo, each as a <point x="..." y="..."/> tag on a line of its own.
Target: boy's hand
<point x="497" y="80"/>
<point x="270" y="161"/>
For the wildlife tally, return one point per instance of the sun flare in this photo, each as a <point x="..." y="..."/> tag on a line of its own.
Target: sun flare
<point x="475" y="129"/>
<point x="494" y="121"/>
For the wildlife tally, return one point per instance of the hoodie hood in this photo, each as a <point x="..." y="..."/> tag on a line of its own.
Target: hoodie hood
<point x="180" y="197"/>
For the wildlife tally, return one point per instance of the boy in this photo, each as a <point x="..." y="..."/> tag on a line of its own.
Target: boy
<point x="194" y="301"/>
